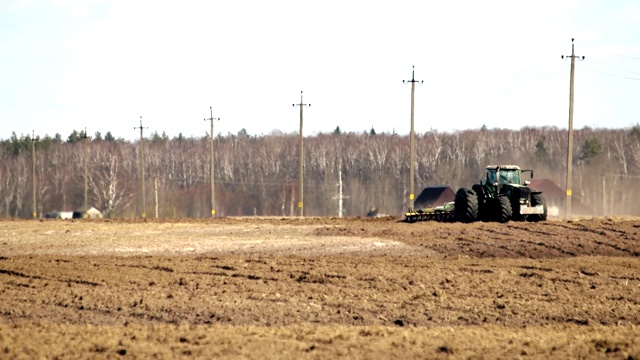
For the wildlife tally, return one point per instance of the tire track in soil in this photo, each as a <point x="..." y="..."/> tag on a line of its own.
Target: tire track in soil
<point x="397" y="296"/>
<point x="156" y="267"/>
<point x="540" y="239"/>
<point x="505" y="243"/>
<point x="406" y="293"/>
<point x="625" y="245"/>
<point x="481" y="249"/>
<point x="550" y="254"/>
<point x="574" y="245"/>
<point x="515" y="239"/>
<point x="544" y="240"/>
<point x="390" y="284"/>
<point x="617" y="247"/>
<point x="450" y="242"/>
<point x="37" y="277"/>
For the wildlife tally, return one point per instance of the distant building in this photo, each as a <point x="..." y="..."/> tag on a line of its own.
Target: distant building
<point x="87" y="213"/>
<point x="556" y="198"/>
<point x="81" y="213"/>
<point x="434" y="196"/>
<point x="59" y="215"/>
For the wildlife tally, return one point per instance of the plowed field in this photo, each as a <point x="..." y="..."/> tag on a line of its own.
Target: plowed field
<point x="299" y="288"/>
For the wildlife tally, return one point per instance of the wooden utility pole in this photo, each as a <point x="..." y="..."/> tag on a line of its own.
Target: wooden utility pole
<point x="567" y="208"/>
<point x="213" y="188"/>
<point x="33" y="171"/>
<point x="144" y="211"/>
<point x="155" y="190"/>
<point x="86" y="172"/>
<point x="412" y="145"/>
<point x="340" y="196"/>
<point x="604" y="194"/>
<point x="301" y="167"/>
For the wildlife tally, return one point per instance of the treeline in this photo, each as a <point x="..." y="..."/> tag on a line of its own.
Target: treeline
<point x="258" y="175"/>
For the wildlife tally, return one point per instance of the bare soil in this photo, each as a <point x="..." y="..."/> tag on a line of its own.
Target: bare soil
<point x="301" y="288"/>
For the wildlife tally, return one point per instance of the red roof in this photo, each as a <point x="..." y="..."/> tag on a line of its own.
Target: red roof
<point x="434" y="196"/>
<point x="548" y="187"/>
<point x="556" y="195"/>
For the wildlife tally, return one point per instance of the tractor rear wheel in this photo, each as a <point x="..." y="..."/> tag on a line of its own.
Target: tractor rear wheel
<point x="538" y="199"/>
<point x="484" y="210"/>
<point x="504" y="212"/>
<point x="466" y="206"/>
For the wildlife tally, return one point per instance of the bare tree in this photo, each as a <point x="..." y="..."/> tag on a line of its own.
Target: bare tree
<point x="106" y="181"/>
<point x="8" y="184"/>
<point x="21" y="184"/>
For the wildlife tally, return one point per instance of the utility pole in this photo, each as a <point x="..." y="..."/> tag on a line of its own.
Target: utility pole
<point x="86" y="172"/>
<point x="604" y="194"/>
<point x="33" y="171"/>
<point x="340" y="197"/>
<point x="300" y="169"/>
<point x="155" y="190"/>
<point x="213" y="189"/>
<point x="144" y="211"/>
<point x="412" y="145"/>
<point x="567" y="208"/>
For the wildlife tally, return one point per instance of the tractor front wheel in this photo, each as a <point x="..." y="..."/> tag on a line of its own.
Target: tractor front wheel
<point x="504" y="212"/>
<point x="538" y="199"/>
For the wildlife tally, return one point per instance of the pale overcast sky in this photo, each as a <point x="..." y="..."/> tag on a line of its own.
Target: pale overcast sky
<point x="101" y="64"/>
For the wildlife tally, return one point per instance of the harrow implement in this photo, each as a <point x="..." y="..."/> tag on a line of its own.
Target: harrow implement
<point x="442" y="213"/>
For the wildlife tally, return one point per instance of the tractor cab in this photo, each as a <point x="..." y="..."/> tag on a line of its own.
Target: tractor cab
<point x="501" y="175"/>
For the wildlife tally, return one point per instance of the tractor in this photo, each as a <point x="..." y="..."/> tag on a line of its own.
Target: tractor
<point x="501" y="197"/>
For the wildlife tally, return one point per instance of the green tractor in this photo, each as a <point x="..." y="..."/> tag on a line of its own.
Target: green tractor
<point x="503" y="196"/>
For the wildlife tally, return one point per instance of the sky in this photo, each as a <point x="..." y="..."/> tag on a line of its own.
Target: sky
<point x="102" y="64"/>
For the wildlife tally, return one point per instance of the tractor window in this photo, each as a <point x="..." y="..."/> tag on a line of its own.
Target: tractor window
<point x="509" y="177"/>
<point x="491" y="177"/>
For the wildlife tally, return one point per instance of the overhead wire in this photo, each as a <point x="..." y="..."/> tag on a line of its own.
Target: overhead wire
<point x="606" y="73"/>
<point x="613" y="67"/>
<point x="607" y="52"/>
<point x="536" y="77"/>
<point x="591" y="60"/>
<point x="522" y="71"/>
<point x="530" y="82"/>
<point x="271" y="182"/>
<point x="480" y="86"/>
<point x="533" y="79"/>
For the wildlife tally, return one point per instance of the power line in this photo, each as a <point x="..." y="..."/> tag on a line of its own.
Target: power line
<point x="613" y="67"/>
<point x="610" y="53"/>
<point x="606" y="73"/>
<point x="530" y="81"/>
<point x="525" y="70"/>
<point x="273" y="182"/>
<point x="623" y="176"/>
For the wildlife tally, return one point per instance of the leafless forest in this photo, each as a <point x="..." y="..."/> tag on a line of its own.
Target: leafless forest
<point x="257" y="175"/>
